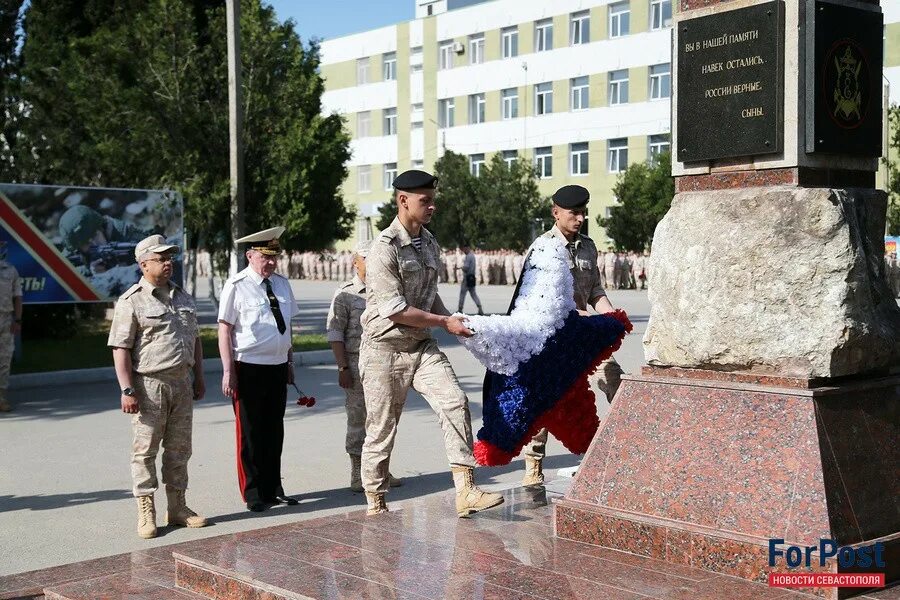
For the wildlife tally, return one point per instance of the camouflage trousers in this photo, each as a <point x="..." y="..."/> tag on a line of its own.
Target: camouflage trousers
<point x="608" y="377"/>
<point x="387" y="375"/>
<point x="355" y="404"/>
<point x="166" y="405"/>
<point x="7" y="345"/>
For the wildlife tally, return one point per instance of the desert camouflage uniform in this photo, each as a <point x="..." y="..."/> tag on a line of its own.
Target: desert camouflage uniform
<point x="160" y="329"/>
<point x="10" y="288"/>
<point x="343" y="325"/>
<point x="582" y="259"/>
<point x="395" y="357"/>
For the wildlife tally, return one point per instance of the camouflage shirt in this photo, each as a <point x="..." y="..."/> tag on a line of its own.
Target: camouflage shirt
<point x="582" y="258"/>
<point x="159" y="328"/>
<point x="397" y="276"/>
<point x="10" y="286"/>
<point x="344" y="317"/>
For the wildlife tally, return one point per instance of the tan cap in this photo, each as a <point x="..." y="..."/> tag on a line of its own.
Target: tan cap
<point x="362" y="248"/>
<point x="265" y="241"/>
<point x="153" y="244"/>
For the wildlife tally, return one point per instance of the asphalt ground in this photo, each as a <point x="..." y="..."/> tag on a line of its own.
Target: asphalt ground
<point x="65" y="486"/>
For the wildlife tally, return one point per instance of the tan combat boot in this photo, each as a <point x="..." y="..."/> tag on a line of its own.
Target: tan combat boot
<point x="355" y="475"/>
<point x="470" y="499"/>
<point x="534" y="473"/>
<point x="377" y="505"/>
<point x="146" y="517"/>
<point x="177" y="511"/>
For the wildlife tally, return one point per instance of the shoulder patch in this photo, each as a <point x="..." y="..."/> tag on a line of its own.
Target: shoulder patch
<point x="131" y="291"/>
<point x="236" y="277"/>
<point x="387" y="236"/>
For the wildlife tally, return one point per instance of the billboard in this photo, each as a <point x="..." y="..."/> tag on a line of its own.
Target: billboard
<point x="76" y="244"/>
<point x="890" y="245"/>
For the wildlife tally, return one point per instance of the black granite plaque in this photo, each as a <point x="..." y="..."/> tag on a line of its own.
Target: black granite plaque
<point x="844" y="55"/>
<point x="729" y="87"/>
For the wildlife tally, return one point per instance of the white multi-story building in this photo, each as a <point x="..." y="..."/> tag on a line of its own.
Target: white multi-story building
<point x="580" y="87"/>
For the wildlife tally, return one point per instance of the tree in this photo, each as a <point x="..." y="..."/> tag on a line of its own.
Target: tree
<point x="492" y="211"/>
<point x="645" y="192"/>
<point x="10" y="65"/>
<point x="134" y="94"/>
<point x="893" y="212"/>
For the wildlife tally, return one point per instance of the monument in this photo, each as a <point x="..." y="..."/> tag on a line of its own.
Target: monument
<point x="770" y="413"/>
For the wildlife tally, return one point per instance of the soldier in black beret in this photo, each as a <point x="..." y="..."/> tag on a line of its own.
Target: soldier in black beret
<point x="569" y="213"/>
<point x="414" y="180"/>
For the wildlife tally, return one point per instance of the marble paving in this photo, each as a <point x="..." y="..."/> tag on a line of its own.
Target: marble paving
<point x="420" y="550"/>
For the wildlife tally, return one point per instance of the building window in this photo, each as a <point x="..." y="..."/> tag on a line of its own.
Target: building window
<point x="660" y="81"/>
<point x="618" y="87"/>
<point x="509" y="157"/>
<point x="363" y="121"/>
<point x="618" y="155"/>
<point x="580" y="28"/>
<point x="390" y="121"/>
<point x="476" y="162"/>
<point x="476" y="49"/>
<point x="657" y="144"/>
<point x="619" y="19"/>
<point x="578" y="158"/>
<point x="543" y="98"/>
<point x="390" y="173"/>
<point x="543" y="162"/>
<point x="476" y="109"/>
<point x="389" y="66"/>
<point x="445" y="55"/>
<point x="362" y="182"/>
<point x="660" y="14"/>
<point x="362" y="71"/>
<point x="509" y="103"/>
<point x="580" y="93"/>
<point x="543" y="35"/>
<point x="446" y="112"/>
<point x="509" y="41"/>
<point x="418" y="164"/>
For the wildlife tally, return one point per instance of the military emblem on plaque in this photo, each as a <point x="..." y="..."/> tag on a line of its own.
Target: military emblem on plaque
<point x="844" y="85"/>
<point x="844" y="114"/>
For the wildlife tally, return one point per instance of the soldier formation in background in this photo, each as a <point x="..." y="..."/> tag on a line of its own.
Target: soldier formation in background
<point x="618" y="270"/>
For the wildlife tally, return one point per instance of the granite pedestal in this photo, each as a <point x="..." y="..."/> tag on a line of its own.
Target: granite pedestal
<point x="702" y="468"/>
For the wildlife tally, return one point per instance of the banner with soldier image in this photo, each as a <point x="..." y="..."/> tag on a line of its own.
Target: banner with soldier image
<point x="76" y="244"/>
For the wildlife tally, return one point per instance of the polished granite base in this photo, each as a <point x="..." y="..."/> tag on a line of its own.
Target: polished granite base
<point x="701" y="469"/>
<point x="420" y="550"/>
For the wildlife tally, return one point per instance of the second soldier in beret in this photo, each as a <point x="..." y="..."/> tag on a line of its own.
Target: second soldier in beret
<point x="398" y="352"/>
<point x="569" y="213"/>
<point x="343" y="330"/>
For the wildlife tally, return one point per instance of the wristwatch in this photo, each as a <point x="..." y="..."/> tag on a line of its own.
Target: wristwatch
<point x="129" y="391"/>
<point x="342" y="369"/>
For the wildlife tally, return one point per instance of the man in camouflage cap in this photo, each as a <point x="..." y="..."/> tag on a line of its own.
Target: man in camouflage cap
<point x="398" y="352"/>
<point x="156" y="347"/>
<point x="344" y="332"/>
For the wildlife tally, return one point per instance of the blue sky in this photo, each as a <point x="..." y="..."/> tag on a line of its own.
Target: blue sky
<point x="334" y="18"/>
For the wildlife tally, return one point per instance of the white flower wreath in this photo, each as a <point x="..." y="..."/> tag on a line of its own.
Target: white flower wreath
<point x="502" y="342"/>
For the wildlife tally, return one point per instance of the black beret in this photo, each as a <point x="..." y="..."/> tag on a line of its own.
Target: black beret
<point x="571" y="196"/>
<point x="414" y="179"/>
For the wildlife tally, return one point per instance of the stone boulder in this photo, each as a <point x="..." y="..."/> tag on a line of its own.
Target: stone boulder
<point x="780" y="280"/>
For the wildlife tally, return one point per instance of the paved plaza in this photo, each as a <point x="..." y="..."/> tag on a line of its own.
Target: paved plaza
<point x="65" y="487"/>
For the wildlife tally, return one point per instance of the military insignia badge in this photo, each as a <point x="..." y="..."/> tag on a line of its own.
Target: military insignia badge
<point x="846" y="84"/>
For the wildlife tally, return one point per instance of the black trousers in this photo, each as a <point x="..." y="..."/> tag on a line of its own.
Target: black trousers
<point x="259" y="423"/>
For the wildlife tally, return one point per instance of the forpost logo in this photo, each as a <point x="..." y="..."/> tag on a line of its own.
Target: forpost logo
<point x="848" y="557"/>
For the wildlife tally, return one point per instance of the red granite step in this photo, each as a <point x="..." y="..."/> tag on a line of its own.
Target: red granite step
<point x="150" y="583"/>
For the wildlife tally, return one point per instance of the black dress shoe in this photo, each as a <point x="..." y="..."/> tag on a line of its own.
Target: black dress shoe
<point x="284" y="500"/>
<point x="256" y="506"/>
